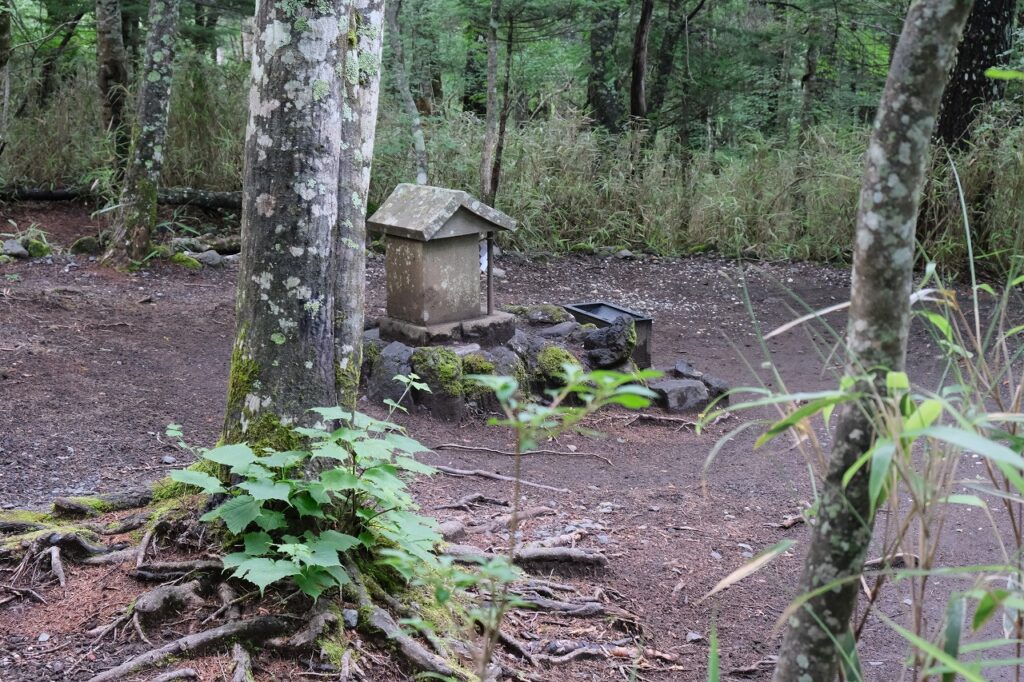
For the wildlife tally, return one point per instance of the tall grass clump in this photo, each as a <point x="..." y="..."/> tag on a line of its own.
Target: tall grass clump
<point x="572" y="186"/>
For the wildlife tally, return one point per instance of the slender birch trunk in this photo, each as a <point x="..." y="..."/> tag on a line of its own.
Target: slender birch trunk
<point x="360" y="90"/>
<point x="879" y="321"/>
<point x="491" y="133"/>
<point x="402" y="78"/>
<point x="283" y="362"/>
<point x="136" y="216"/>
<point x="638" y="84"/>
<point x="112" y="76"/>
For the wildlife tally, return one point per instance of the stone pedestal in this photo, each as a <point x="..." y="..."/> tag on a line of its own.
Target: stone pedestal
<point x="486" y="330"/>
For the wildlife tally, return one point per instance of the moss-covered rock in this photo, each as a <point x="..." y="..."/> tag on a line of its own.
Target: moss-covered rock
<point x="186" y="261"/>
<point x="36" y="248"/>
<point x="475" y="363"/>
<point x="549" y="366"/>
<point x="4" y="260"/>
<point x="441" y="370"/>
<point x="88" y="245"/>
<point x="547" y="314"/>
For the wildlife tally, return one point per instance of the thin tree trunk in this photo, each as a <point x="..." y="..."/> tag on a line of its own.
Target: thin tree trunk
<point x="359" y="96"/>
<point x="986" y="41"/>
<point x="402" y="79"/>
<point x="506" y="108"/>
<point x="638" y="83"/>
<point x="112" y="77"/>
<point x="283" y="362"/>
<point x="491" y="133"/>
<point x="5" y="71"/>
<point x="602" y="94"/>
<point x="474" y="78"/>
<point x="136" y="216"/>
<point x="809" y="82"/>
<point x="879" y="322"/>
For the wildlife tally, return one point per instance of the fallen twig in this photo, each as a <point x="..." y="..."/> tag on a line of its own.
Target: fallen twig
<point x="57" y="567"/>
<point x="505" y="520"/>
<point x="140" y="558"/>
<point x="506" y="453"/>
<point x="243" y="664"/>
<point x="473" y="499"/>
<point x="496" y="477"/>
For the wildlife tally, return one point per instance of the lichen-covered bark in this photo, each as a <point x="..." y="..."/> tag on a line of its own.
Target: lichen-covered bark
<point x="112" y="76"/>
<point x="986" y="40"/>
<point x="879" y="320"/>
<point x="136" y="216"/>
<point x="491" y="132"/>
<point x="402" y="80"/>
<point x="360" y="89"/>
<point x="284" y="355"/>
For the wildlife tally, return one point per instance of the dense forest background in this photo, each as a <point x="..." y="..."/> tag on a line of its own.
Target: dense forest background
<point x="668" y="126"/>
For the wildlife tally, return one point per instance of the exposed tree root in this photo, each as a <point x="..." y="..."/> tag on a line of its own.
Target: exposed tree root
<point x="140" y="555"/>
<point x="168" y="599"/>
<point x="467" y="502"/>
<point x="242" y="671"/>
<point x="8" y="527"/>
<point x="118" y="557"/>
<point x="506" y="453"/>
<point x="125" y="525"/>
<point x="495" y="477"/>
<point x="503" y="522"/>
<point x="57" y="567"/>
<point x="107" y="502"/>
<point x="452" y="530"/>
<point x="161" y="571"/>
<point x="525" y="556"/>
<point x="256" y="629"/>
<point x="379" y="622"/>
<point x="559" y="540"/>
<point x="305" y="638"/>
<point x="180" y="674"/>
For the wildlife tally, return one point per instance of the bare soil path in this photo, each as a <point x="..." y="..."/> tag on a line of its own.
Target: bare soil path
<point x="94" y="365"/>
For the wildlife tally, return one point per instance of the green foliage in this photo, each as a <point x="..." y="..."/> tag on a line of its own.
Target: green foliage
<point x="440" y="368"/>
<point x="552" y="364"/>
<point x="296" y="512"/>
<point x="186" y="261"/>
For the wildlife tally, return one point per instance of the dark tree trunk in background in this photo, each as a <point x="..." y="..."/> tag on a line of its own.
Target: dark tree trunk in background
<point x="405" y="91"/>
<point x="506" y="109"/>
<point x="206" y="18"/>
<point x="475" y="77"/>
<point x="136" y="216"/>
<point x="879" y="322"/>
<point x="52" y="60"/>
<point x="130" y="35"/>
<point x="678" y="25"/>
<point x="360" y="91"/>
<point x="810" y="82"/>
<point x="491" y="133"/>
<point x="112" y="76"/>
<point x="5" y="33"/>
<point x="602" y="94"/>
<point x="638" y="82"/>
<point x="985" y="42"/>
<point x="283" y="361"/>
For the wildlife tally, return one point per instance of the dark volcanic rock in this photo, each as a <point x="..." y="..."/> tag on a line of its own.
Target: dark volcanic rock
<point x="681" y="395"/>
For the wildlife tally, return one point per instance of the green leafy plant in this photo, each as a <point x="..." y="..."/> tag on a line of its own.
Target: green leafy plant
<point x="296" y="513"/>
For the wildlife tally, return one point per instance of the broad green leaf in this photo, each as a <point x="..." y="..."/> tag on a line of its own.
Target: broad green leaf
<point x="799" y="415"/>
<point x="414" y="466"/>
<point x="373" y="449"/>
<point x="267" y="490"/>
<point x="407" y="445"/>
<point x="261" y="571"/>
<point x="333" y="413"/>
<point x="257" y="543"/>
<point x="339" y="542"/>
<point x="924" y="416"/>
<point x="236" y="513"/>
<point x="282" y="460"/>
<point x="238" y="454"/>
<point x="318" y="492"/>
<point x="252" y="470"/>
<point x="897" y="381"/>
<point x="313" y="581"/>
<point x="235" y="559"/>
<point x="332" y="450"/>
<point x="207" y="483"/>
<point x="307" y="506"/>
<point x="270" y="519"/>
<point x="940" y="323"/>
<point x="336" y="480"/>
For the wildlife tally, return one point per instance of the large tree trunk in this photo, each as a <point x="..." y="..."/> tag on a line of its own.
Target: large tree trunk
<point x="359" y="95"/>
<point x="638" y="83"/>
<point x="5" y="72"/>
<point x="402" y="80"/>
<point x="491" y="133"/>
<point x="112" y="78"/>
<point x="283" y="362"/>
<point x="985" y="42"/>
<point x="879" y="322"/>
<point x="136" y="216"/>
<point x="602" y="93"/>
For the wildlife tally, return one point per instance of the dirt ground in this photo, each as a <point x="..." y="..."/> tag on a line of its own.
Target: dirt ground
<point x="95" y="364"/>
